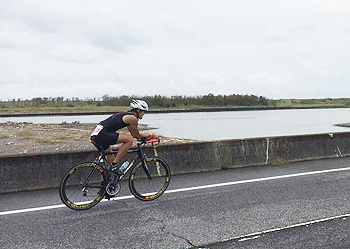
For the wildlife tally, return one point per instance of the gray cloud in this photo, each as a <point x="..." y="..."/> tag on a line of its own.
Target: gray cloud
<point x="289" y="49"/>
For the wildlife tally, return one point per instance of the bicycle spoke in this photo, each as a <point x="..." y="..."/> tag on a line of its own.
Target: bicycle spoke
<point x="83" y="186"/>
<point x="149" y="180"/>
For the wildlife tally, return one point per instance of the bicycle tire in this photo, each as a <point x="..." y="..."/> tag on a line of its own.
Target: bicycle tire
<point x="83" y="186"/>
<point x="148" y="185"/>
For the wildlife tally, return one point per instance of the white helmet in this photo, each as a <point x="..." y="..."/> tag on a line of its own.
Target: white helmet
<point x="139" y="104"/>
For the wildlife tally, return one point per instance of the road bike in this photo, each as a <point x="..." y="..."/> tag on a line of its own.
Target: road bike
<point x="86" y="184"/>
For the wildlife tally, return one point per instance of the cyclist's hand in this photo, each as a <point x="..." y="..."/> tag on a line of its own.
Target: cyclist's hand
<point x="153" y="141"/>
<point x="154" y="136"/>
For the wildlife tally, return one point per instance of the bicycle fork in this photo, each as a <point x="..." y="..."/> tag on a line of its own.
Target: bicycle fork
<point x="146" y="169"/>
<point x="84" y="189"/>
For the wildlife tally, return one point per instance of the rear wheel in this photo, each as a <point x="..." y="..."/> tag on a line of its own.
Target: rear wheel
<point x="149" y="178"/>
<point x="83" y="186"/>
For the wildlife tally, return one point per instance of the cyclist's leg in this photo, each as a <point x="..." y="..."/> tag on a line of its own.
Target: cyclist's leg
<point x="105" y="139"/>
<point x="126" y="141"/>
<point x="110" y="157"/>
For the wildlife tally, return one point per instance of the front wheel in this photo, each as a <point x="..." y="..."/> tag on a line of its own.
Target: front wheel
<point x="149" y="178"/>
<point x="83" y="186"/>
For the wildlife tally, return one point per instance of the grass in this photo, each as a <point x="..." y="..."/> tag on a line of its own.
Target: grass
<point x="25" y="133"/>
<point x="4" y="136"/>
<point x="43" y="140"/>
<point x="48" y="109"/>
<point x="44" y="135"/>
<point x="85" y="107"/>
<point x="312" y="103"/>
<point x="280" y="161"/>
<point x="29" y="134"/>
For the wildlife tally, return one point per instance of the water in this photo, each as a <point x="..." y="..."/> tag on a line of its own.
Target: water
<point x="250" y="124"/>
<point x="211" y="126"/>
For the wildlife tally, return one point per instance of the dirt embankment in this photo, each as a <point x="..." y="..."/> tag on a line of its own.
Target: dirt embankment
<point x="29" y="138"/>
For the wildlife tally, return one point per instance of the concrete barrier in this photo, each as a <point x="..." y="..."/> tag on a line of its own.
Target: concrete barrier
<point x="30" y="172"/>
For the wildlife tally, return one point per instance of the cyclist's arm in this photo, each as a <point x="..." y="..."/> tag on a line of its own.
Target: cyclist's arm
<point x="132" y="123"/>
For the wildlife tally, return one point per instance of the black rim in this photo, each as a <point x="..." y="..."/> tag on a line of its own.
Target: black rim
<point x="149" y="183"/>
<point x="83" y="186"/>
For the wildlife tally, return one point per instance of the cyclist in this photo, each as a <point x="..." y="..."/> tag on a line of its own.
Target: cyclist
<point x="105" y="134"/>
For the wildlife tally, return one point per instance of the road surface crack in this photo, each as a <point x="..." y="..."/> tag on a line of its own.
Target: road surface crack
<point x="163" y="229"/>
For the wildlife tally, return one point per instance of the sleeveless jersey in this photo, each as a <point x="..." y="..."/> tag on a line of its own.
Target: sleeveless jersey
<point x="115" y="122"/>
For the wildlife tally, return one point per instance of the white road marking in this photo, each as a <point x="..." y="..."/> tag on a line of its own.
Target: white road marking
<point x="249" y="238"/>
<point x="258" y="234"/>
<point x="257" y="180"/>
<point x="190" y="189"/>
<point x="55" y="206"/>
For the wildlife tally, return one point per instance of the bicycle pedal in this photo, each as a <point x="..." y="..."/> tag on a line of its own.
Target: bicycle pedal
<point x="108" y="197"/>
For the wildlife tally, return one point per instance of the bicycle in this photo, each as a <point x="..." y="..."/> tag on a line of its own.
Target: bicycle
<point x="86" y="184"/>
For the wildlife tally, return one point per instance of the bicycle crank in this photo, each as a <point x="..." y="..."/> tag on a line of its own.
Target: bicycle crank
<point x="113" y="188"/>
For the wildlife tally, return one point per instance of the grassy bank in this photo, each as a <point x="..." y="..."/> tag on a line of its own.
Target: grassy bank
<point x="313" y="103"/>
<point x="89" y="106"/>
<point x="49" y="109"/>
<point x="112" y="109"/>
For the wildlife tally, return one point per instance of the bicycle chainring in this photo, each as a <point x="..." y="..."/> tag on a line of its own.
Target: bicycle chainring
<point x="113" y="188"/>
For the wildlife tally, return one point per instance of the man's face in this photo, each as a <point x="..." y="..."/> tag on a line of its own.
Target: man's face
<point x="141" y="114"/>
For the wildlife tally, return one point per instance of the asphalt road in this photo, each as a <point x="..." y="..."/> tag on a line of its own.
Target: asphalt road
<point x="299" y="205"/>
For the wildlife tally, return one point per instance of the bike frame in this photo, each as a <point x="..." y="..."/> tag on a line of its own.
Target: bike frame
<point x="140" y="156"/>
<point x="110" y="185"/>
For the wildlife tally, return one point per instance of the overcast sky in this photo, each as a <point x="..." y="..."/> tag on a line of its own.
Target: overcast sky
<point x="86" y="49"/>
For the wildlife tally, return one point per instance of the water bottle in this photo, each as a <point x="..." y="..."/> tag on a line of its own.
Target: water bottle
<point x="124" y="166"/>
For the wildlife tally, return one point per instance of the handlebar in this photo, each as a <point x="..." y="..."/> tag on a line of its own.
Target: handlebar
<point x="149" y="141"/>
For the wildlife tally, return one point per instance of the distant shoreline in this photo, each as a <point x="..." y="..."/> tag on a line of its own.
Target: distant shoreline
<point x="343" y="125"/>
<point x="209" y="109"/>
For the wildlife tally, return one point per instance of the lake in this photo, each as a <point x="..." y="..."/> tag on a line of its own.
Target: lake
<point x="209" y="126"/>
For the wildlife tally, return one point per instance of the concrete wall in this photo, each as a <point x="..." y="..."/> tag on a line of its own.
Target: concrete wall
<point x="29" y="172"/>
